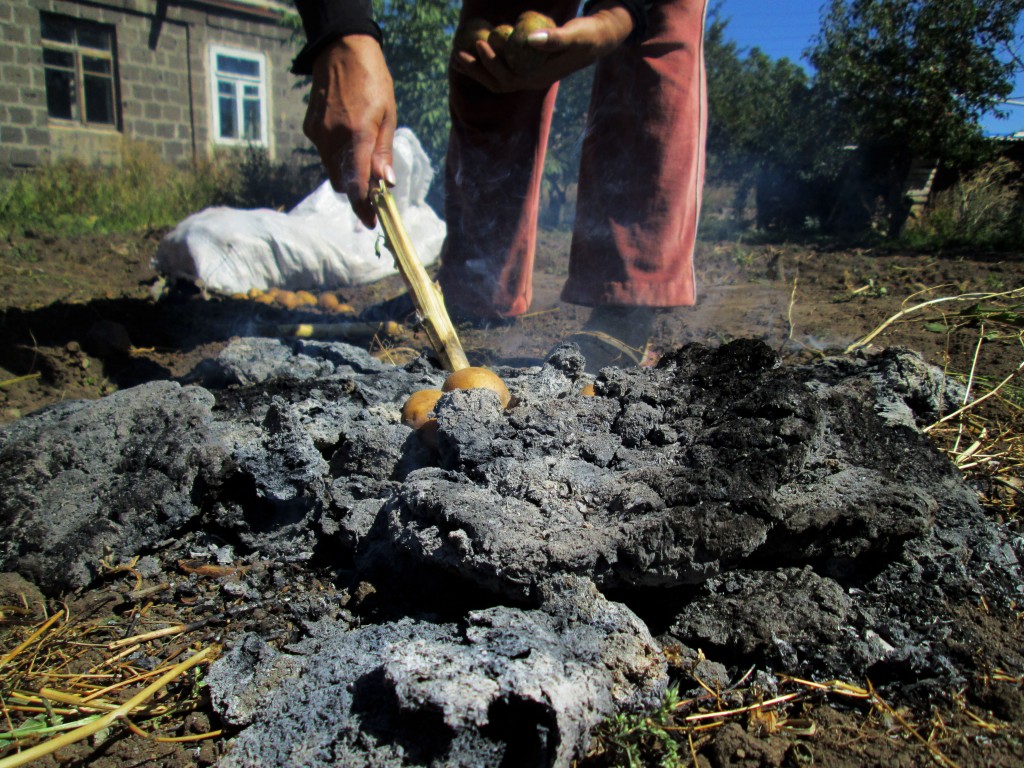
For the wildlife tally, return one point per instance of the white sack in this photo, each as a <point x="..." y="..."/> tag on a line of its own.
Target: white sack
<point x="319" y="244"/>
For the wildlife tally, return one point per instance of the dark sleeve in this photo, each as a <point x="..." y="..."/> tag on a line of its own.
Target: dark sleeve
<point x="324" y="21"/>
<point x="637" y="9"/>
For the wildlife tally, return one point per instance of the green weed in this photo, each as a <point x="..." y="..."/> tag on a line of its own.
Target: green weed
<point x="143" y="192"/>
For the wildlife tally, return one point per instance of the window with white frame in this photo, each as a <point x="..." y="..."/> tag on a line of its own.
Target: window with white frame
<point x="238" y="96"/>
<point x="79" y="69"/>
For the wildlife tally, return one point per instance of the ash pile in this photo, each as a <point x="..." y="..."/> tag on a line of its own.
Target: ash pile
<point x="495" y="596"/>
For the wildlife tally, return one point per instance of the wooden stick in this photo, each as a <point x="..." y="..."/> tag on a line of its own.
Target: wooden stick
<point x="426" y="295"/>
<point x="351" y="330"/>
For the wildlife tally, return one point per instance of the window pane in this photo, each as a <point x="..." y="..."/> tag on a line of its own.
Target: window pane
<point x="58" y="29"/>
<point x="99" y="100"/>
<point x="228" y="108"/>
<point x="52" y="58"/>
<point x="251" y="108"/>
<point x="60" y="94"/>
<point x="252" y="91"/>
<point x="96" y="66"/>
<point x="93" y="37"/>
<point x="232" y="65"/>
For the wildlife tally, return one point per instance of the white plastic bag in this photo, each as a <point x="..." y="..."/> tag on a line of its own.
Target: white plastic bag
<point x="319" y="244"/>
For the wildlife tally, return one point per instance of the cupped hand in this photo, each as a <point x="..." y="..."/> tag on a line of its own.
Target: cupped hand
<point x="575" y="45"/>
<point x="351" y="119"/>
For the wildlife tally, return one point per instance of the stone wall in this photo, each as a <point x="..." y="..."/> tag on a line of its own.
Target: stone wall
<point x="162" y="66"/>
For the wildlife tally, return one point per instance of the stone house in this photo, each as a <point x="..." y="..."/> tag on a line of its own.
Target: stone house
<point x="192" y="78"/>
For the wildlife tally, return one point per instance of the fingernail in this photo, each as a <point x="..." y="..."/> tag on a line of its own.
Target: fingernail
<point x="389" y="176"/>
<point x="538" y="37"/>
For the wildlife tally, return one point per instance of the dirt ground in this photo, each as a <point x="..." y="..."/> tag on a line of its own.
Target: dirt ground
<point x="80" y="318"/>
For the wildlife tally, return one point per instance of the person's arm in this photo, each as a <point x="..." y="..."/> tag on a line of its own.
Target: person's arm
<point x="637" y="9"/>
<point x="351" y="116"/>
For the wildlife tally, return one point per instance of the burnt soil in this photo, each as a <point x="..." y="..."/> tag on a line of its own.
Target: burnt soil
<point x="83" y="317"/>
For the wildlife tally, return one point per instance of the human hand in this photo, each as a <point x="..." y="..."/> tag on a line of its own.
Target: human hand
<point x="351" y="119"/>
<point x="575" y="45"/>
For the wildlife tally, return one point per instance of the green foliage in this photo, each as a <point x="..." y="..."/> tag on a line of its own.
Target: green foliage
<point x="144" y="192"/>
<point x="561" y="166"/>
<point x="756" y="108"/>
<point x="643" y="739"/>
<point x="911" y="78"/>
<point x="763" y="131"/>
<point x="417" y="44"/>
<point x="252" y="180"/>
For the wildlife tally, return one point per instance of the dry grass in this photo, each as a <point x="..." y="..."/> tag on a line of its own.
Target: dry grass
<point x="681" y="728"/>
<point x="65" y="677"/>
<point x="984" y="437"/>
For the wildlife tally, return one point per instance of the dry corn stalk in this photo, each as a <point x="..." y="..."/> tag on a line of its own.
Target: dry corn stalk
<point x="353" y="330"/>
<point x="426" y="295"/>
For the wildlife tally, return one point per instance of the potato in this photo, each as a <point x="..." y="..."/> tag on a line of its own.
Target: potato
<point x="305" y="298"/>
<point x="416" y="411"/>
<point x="499" y="37"/>
<point x="286" y="299"/>
<point x="478" y="378"/>
<point x="467" y="35"/>
<point x="519" y="55"/>
<point x="328" y="301"/>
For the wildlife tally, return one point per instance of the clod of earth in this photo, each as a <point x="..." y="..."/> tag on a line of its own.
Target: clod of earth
<point x="528" y="573"/>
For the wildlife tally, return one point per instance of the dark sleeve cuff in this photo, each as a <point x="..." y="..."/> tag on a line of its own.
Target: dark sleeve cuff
<point x="324" y="21"/>
<point x="637" y="9"/>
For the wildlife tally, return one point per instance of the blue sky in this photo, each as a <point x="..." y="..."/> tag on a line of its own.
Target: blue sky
<point x="786" y="28"/>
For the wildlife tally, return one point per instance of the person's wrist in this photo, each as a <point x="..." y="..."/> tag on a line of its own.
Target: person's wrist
<point x="345" y="44"/>
<point x="617" y="22"/>
<point x="621" y="16"/>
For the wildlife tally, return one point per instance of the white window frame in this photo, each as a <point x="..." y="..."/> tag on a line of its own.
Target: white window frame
<point x="262" y="81"/>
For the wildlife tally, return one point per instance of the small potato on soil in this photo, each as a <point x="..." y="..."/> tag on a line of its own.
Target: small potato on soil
<point x="416" y="411"/>
<point x="287" y="299"/>
<point x="416" y="414"/>
<point x="328" y="301"/>
<point x="306" y="298"/>
<point x="478" y="378"/>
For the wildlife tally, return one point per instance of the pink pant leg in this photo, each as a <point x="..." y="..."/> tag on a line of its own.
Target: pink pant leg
<point x="642" y="168"/>
<point x="492" y="181"/>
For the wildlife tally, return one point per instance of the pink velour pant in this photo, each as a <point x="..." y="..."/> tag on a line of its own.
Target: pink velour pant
<point x="641" y="173"/>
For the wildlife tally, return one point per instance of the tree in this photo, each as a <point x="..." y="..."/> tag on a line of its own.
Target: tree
<point x="762" y="127"/>
<point x="912" y="78"/>
<point x="565" y="142"/>
<point x="417" y="44"/>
